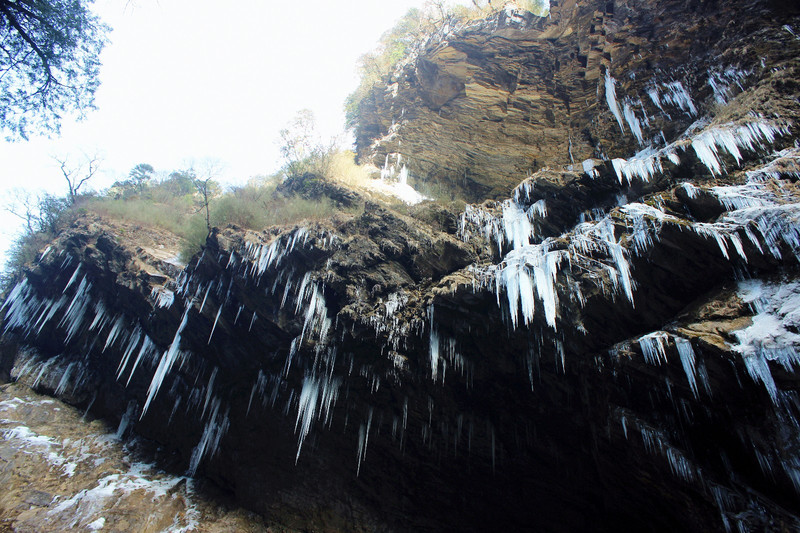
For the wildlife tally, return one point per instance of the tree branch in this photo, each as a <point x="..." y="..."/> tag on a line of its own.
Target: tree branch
<point x="42" y="56"/>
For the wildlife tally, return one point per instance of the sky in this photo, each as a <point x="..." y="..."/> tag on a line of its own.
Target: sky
<point x="193" y="80"/>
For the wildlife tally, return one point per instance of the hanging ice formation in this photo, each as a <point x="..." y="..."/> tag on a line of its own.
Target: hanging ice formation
<point x="394" y="180"/>
<point x="771" y="336"/>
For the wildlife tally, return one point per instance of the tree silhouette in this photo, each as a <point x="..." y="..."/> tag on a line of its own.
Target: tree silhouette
<point x="49" y="63"/>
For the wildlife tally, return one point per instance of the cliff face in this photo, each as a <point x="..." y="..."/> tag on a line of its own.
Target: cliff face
<point x="496" y="100"/>
<point x="613" y="345"/>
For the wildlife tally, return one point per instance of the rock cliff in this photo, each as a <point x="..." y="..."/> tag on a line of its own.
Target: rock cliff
<point x="493" y="100"/>
<point x="606" y="340"/>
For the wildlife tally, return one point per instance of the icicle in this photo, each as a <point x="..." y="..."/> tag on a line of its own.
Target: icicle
<point x="73" y="317"/>
<point x="125" y="420"/>
<point x="363" y="440"/>
<point x="147" y="350"/>
<point x="73" y="278"/>
<point x="750" y="136"/>
<point x="214" y="327"/>
<point x="644" y="165"/>
<point x="209" y="390"/>
<point x="588" y="168"/>
<point x="611" y="99"/>
<point x="133" y="342"/>
<point x="306" y="409"/>
<point x="112" y="335"/>
<point x="653" y="347"/>
<point x="677" y="95"/>
<point x="633" y="121"/>
<point x="213" y="432"/>
<point x="516" y="224"/>
<point x="166" y="362"/>
<point x="687" y="356"/>
<point x="433" y="347"/>
<point x="64" y="381"/>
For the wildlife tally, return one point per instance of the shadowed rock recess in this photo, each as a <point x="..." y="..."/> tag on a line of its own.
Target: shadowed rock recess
<point x="606" y="340"/>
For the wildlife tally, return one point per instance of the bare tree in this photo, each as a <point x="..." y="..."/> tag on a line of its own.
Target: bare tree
<point x="24" y="206"/>
<point x="78" y="175"/>
<point x="203" y="175"/>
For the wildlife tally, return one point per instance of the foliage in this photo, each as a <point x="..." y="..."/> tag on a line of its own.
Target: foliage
<point x="49" y="63"/>
<point x="302" y="149"/>
<point x="407" y="35"/>
<point x="411" y="34"/>
<point x="178" y="183"/>
<point x="140" y="175"/>
<point x="44" y="215"/>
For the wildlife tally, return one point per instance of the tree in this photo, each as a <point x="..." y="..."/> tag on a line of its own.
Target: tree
<point x="205" y="185"/>
<point x="204" y="188"/>
<point x="77" y="175"/>
<point x="302" y="149"/>
<point x="179" y="182"/>
<point x="25" y="206"/>
<point x="140" y="175"/>
<point x="49" y="63"/>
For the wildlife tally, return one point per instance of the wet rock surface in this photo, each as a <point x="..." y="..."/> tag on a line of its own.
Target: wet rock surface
<point x="62" y="472"/>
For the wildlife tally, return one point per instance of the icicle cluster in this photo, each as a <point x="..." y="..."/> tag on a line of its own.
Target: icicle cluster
<point x="772" y="335"/>
<point x="514" y="228"/>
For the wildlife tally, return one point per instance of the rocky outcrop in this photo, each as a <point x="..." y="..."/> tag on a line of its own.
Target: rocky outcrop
<point x="62" y="472"/>
<point x="493" y="101"/>
<point x="608" y="347"/>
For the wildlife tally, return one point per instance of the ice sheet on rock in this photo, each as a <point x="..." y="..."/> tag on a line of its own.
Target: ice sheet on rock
<point x="83" y="510"/>
<point x="785" y="163"/>
<point x="741" y="196"/>
<point x="394" y="181"/>
<point x="588" y="168"/>
<point x="771" y="336"/>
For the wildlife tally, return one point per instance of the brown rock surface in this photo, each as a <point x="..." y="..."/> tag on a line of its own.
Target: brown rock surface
<point x="62" y="472"/>
<point x="496" y="100"/>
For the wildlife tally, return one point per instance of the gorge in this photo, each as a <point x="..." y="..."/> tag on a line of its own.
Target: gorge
<point x="604" y="337"/>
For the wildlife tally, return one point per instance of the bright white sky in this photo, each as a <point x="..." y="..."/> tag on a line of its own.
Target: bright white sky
<point x="194" y="79"/>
